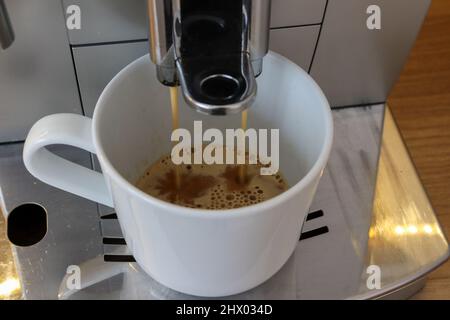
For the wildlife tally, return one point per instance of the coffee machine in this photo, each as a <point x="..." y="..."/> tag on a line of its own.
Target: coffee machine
<point x="355" y="224"/>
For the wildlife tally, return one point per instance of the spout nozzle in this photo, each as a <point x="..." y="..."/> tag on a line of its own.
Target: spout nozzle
<point x="167" y="76"/>
<point x="218" y="85"/>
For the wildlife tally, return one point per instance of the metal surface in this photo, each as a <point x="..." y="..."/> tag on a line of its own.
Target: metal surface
<point x="411" y="241"/>
<point x="405" y="292"/>
<point x="10" y="286"/>
<point x="296" y="44"/>
<point x="258" y="45"/>
<point x="189" y="44"/>
<point x="108" y="21"/>
<point x="254" y="33"/>
<point x="296" y="12"/>
<point x="73" y="226"/>
<point x="199" y="99"/>
<point x="118" y="20"/>
<point x="6" y="29"/>
<point x="162" y="53"/>
<point x="325" y="265"/>
<point x="97" y="65"/>
<point x="37" y="77"/>
<point x="356" y="66"/>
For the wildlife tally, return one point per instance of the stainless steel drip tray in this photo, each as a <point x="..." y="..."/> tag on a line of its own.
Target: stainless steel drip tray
<point x="349" y="231"/>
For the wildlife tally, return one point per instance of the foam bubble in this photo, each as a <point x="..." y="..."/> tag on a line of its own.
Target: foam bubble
<point x="222" y="195"/>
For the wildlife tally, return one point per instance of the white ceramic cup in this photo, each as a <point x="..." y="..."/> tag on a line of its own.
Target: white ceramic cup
<point x="198" y="252"/>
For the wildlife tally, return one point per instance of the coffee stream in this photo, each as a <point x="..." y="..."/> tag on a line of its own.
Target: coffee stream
<point x="175" y="125"/>
<point x="244" y="127"/>
<point x="214" y="187"/>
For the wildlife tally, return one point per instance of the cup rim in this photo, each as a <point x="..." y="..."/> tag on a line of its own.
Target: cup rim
<point x="316" y="169"/>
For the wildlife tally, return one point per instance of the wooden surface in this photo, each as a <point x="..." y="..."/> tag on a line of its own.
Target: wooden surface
<point x="420" y="103"/>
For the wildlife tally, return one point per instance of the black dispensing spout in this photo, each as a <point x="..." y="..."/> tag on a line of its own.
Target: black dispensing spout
<point x="214" y="50"/>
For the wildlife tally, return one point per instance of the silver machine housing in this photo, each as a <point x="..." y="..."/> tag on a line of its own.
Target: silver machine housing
<point x="213" y="50"/>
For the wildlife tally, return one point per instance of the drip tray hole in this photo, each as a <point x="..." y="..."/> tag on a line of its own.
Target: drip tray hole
<point x="27" y="224"/>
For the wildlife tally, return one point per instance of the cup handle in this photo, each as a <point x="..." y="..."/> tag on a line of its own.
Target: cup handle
<point x="68" y="129"/>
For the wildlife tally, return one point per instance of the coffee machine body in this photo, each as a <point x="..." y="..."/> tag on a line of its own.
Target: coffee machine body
<point x="57" y="65"/>
<point x="73" y="62"/>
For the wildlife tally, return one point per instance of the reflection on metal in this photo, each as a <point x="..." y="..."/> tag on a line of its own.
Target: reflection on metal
<point x="10" y="287"/>
<point x="73" y="232"/>
<point x="405" y="238"/>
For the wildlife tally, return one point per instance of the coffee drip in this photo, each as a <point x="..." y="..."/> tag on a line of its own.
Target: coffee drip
<point x="175" y="125"/>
